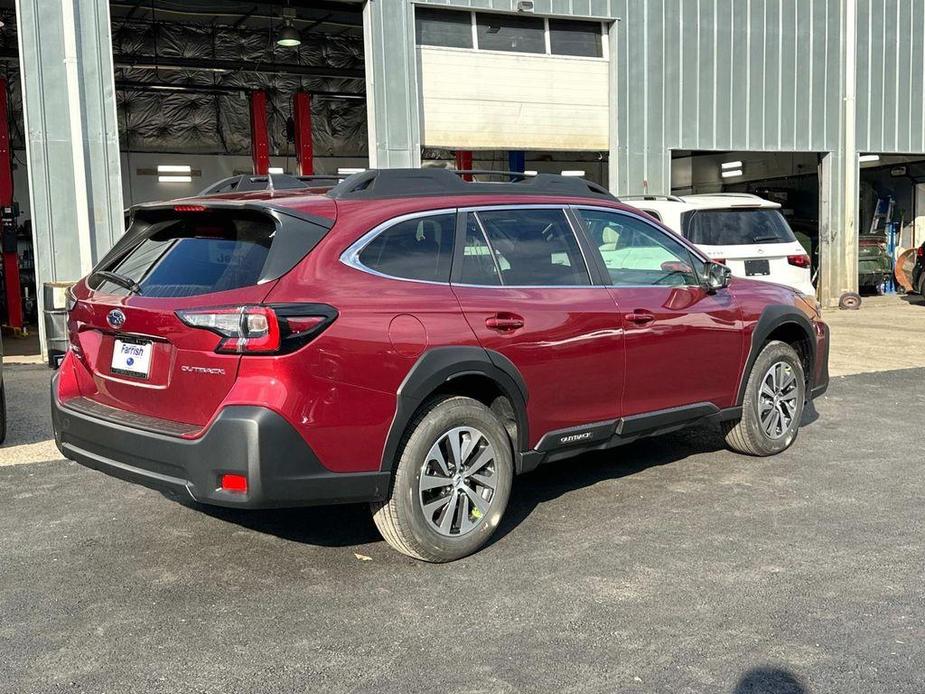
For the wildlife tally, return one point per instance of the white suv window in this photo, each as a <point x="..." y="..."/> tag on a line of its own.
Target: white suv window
<point x="735" y="227"/>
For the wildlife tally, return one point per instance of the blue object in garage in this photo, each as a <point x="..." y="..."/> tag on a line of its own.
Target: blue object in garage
<point x="892" y="233"/>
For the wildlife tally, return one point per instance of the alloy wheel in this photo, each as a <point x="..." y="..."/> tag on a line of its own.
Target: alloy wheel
<point x="777" y="400"/>
<point x="457" y="483"/>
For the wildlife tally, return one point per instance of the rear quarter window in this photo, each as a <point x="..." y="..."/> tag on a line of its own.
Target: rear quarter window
<point x="736" y="227"/>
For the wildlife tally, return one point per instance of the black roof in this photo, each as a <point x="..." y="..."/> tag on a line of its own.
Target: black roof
<point x="396" y="183"/>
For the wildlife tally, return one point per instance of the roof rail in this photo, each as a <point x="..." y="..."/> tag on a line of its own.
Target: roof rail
<point x="750" y="196"/>
<point x="669" y="198"/>
<point x="395" y="183"/>
<point x="248" y="182"/>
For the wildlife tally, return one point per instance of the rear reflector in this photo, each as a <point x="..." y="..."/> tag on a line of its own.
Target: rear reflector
<point x="799" y="260"/>
<point x="234" y="483"/>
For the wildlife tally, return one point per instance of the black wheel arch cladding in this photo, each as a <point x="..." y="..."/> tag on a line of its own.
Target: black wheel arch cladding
<point x="439" y="366"/>
<point x="773" y="317"/>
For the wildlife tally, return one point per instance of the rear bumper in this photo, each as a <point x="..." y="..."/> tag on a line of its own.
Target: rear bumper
<point x="281" y="469"/>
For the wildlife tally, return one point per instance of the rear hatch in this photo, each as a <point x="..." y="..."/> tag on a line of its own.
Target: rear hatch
<point x="127" y="327"/>
<point x="753" y="242"/>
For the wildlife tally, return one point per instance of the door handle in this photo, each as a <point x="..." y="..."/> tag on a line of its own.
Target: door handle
<point x="640" y="317"/>
<point x="504" y="322"/>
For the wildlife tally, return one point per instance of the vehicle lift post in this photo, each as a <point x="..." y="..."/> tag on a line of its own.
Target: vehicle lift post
<point x="302" y="116"/>
<point x="8" y="214"/>
<point x="464" y="162"/>
<point x="260" y="138"/>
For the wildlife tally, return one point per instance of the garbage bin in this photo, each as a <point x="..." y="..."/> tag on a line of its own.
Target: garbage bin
<point x="55" y="316"/>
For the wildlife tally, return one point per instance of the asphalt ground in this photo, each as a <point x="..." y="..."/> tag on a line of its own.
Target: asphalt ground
<point x="670" y="565"/>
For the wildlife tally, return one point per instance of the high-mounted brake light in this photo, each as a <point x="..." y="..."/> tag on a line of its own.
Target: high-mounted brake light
<point x="190" y="208"/>
<point x="261" y="329"/>
<point x="800" y="260"/>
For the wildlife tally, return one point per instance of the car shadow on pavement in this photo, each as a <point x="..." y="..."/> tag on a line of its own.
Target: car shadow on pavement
<point x="348" y="525"/>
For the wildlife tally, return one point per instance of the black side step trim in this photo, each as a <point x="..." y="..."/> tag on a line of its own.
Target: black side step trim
<point x="652" y="421"/>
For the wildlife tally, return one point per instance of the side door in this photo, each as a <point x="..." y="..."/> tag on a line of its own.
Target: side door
<point x="527" y="291"/>
<point x="683" y="345"/>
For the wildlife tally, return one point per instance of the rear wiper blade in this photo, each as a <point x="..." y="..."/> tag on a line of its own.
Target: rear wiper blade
<point x="116" y="278"/>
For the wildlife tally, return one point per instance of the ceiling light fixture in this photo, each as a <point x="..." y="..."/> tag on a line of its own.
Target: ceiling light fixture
<point x="577" y="172"/>
<point x="868" y="157"/>
<point x="288" y="37"/>
<point x="731" y="165"/>
<point x="731" y="173"/>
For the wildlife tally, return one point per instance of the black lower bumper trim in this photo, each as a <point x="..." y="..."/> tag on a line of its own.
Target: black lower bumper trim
<point x="281" y="469"/>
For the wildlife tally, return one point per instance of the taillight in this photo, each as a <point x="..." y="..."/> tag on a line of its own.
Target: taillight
<point x="920" y="252"/>
<point x="801" y="260"/>
<point x="261" y="329"/>
<point x="721" y="261"/>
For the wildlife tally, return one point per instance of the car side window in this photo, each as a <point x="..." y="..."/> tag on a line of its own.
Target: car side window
<point x="478" y="263"/>
<point x="415" y="249"/>
<point x="534" y="247"/>
<point x="637" y="253"/>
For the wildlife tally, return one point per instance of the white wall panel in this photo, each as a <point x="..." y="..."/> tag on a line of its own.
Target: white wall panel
<point x="492" y="100"/>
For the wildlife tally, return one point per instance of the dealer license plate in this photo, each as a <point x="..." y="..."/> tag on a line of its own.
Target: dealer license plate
<point x="132" y="357"/>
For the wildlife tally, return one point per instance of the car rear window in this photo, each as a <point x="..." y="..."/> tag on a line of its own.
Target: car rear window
<point x="736" y="227"/>
<point x="205" y="252"/>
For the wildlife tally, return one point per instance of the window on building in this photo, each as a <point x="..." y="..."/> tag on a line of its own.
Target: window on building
<point x="535" y="247"/>
<point x="443" y="28"/>
<point x="570" y="37"/>
<point x="416" y="249"/>
<point x="500" y="32"/>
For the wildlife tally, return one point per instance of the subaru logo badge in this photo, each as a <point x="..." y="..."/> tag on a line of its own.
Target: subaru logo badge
<point x="116" y="318"/>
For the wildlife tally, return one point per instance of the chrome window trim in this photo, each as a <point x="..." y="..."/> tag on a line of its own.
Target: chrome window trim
<point x="351" y="256"/>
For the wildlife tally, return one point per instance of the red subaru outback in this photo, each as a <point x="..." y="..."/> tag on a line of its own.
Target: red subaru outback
<point x="414" y="341"/>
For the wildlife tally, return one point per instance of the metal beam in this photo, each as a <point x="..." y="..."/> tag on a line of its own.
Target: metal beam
<point x="260" y="138"/>
<point x="9" y="223"/>
<point x="72" y="140"/>
<point x="138" y="62"/>
<point x="393" y="103"/>
<point x="302" y="116"/>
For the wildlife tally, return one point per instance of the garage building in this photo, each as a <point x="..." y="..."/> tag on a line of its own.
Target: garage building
<point x="645" y="96"/>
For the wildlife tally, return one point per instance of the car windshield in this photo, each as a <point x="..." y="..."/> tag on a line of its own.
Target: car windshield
<point x="736" y="227"/>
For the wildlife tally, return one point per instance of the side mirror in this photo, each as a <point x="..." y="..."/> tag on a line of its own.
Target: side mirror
<point x="717" y="277"/>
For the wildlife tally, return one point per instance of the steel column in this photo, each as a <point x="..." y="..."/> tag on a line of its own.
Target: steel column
<point x="260" y="137"/>
<point x="464" y="162"/>
<point x="302" y="116"/>
<point x="10" y="252"/>
<point x="393" y="103"/>
<point x="72" y="135"/>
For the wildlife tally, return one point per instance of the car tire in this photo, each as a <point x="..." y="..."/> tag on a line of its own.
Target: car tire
<point x="849" y="301"/>
<point x="776" y="388"/>
<point x="440" y="510"/>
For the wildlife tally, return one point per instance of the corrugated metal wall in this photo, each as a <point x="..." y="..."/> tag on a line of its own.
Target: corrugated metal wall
<point x="726" y="75"/>
<point x="891" y="76"/>
<point x="597" y="9"/>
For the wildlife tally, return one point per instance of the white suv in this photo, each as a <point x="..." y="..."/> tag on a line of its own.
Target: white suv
<point x="747" y="233"/>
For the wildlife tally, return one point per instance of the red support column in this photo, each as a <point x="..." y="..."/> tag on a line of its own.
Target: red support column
<point x="8" y="220"/>
<point x="464" y="162"/>
<point x="260" y="138"/>
<point x="302" y="115"/>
